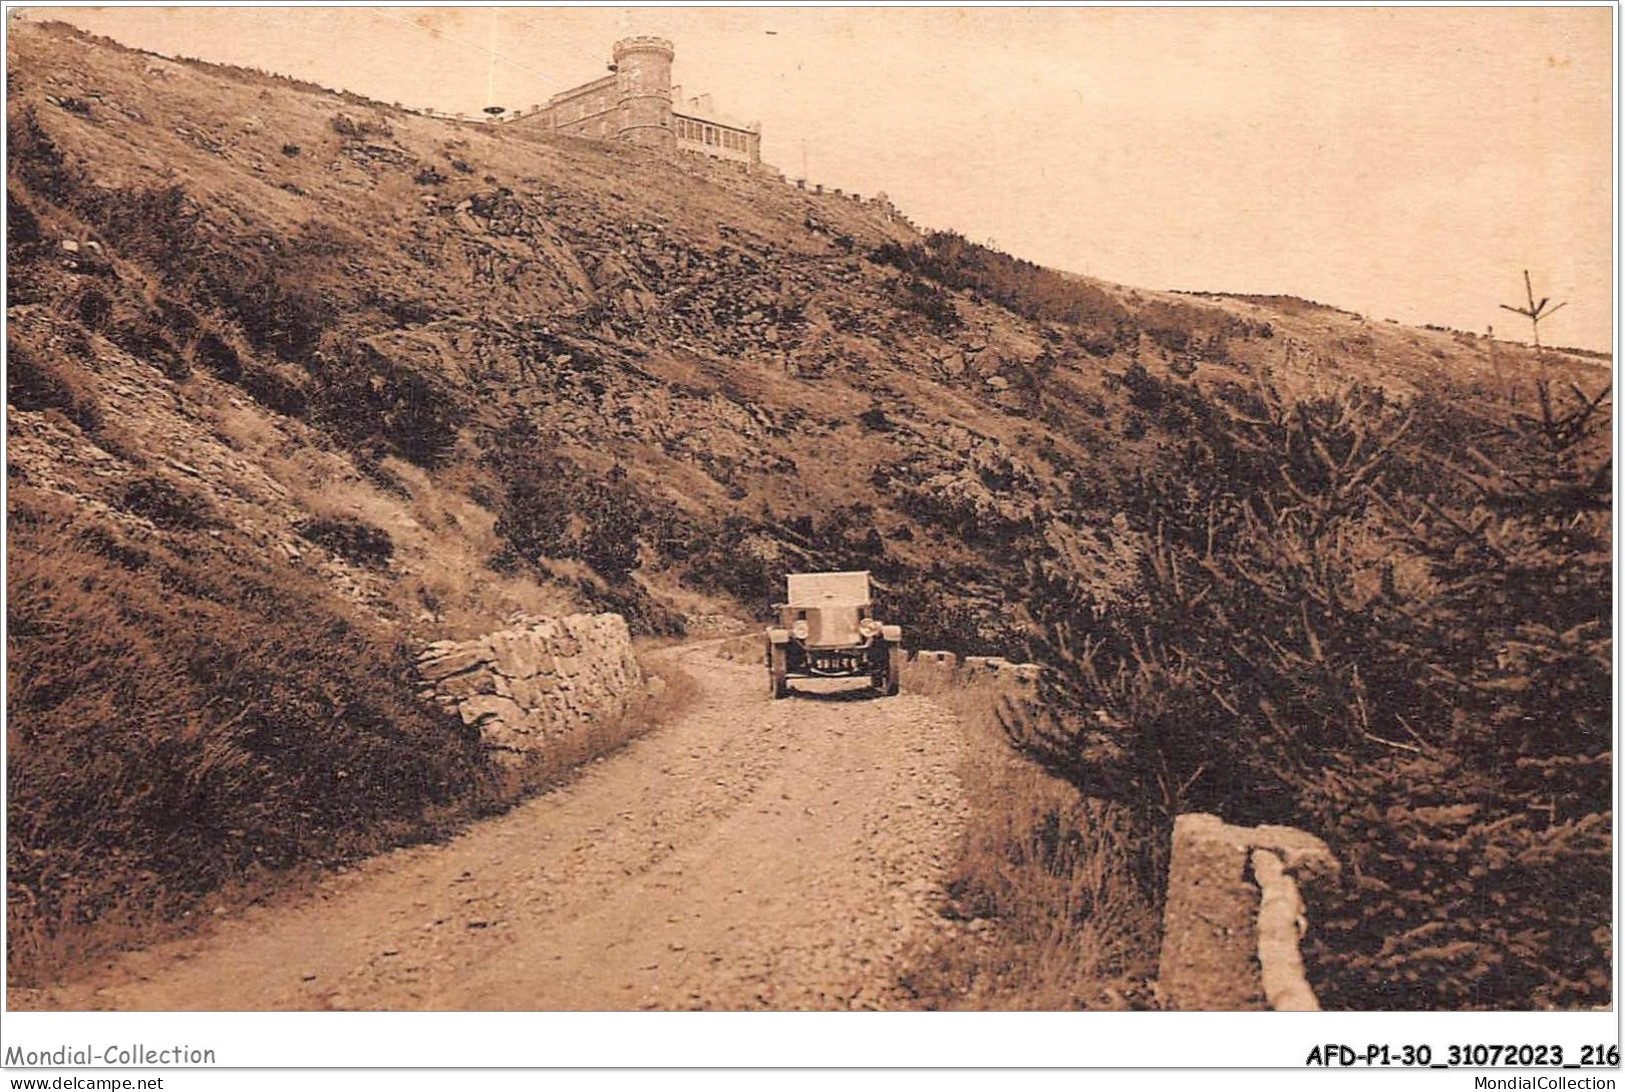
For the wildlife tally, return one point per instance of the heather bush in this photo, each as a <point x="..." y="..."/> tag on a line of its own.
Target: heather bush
<point x="730" y="559"/>
<point x="167" y="504"/>
<point x="35" y="160"/>
<point x="93" y="308"/>
<point x="23" y="232"/>
<point x="217" y="355"/>
<point x="551" y="509"/>
<point x="366" y="399"/>
<point x="142" y="335"/>
<point x="926" y="299"/>
<point x="350" y="538"/>
<point x="37" y="380"/>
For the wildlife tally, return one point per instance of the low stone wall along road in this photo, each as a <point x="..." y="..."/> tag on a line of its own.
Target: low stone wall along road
<point x="751" y="854"/>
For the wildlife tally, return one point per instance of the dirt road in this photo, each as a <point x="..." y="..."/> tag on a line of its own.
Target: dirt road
<point x="752" y="854"/>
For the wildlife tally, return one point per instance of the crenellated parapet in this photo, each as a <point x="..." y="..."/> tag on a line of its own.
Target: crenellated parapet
<point x="644" y="43"/>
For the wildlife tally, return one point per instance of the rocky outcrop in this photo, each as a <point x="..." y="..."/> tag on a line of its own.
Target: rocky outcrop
<point x="526" y="687"/>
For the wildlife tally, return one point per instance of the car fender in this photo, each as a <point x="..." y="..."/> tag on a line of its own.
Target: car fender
<point x="894" y="634"/>
<point x="777" y="636"/>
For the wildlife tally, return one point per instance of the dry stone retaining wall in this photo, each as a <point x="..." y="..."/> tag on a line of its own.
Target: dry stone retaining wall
<point x="528" y="686"/>
<point x="974" y="668"/>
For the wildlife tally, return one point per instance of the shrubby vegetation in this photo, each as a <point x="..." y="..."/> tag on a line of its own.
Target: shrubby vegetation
<point x="350" y="538"/>
<point x="180" y="721"/>
<point x="168" y="505"/>
<point x="305" y="359"/>
<point x="551" y="508"/>
<point x="1387" y="623"/>
<point x="951" y="260"/>
<point x="1101" y="322"/>
<point x="38" y="382"/>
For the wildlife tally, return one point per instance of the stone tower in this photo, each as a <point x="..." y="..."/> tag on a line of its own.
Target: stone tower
<point x="643" y="81"/>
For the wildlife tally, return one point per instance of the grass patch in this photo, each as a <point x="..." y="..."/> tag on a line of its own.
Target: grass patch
<point x="191" y="723"/>
<point x="1048" y="881"/>
<point x="180" y="721"/>
<point x="564" y="758"/>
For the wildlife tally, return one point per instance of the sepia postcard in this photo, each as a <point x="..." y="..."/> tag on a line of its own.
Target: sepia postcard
<point x="535" y="514"/>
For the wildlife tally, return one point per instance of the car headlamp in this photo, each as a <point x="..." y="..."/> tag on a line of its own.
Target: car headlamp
<point x="869" y="627"/>
<point x="800" y="630"/>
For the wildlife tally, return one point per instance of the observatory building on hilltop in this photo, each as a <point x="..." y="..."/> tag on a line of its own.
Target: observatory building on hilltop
<point x="637" y="103"/>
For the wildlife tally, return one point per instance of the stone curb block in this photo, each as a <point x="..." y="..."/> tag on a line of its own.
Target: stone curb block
<point x="1221" y="921"/>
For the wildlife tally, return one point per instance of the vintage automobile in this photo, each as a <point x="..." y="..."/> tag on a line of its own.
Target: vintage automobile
<point x="827" y="629"/>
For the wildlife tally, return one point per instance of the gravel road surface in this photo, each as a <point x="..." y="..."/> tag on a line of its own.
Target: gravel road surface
<point x="751" y="854"/>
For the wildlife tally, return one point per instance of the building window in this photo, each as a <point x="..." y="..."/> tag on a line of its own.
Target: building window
<point x="710" y="134"/>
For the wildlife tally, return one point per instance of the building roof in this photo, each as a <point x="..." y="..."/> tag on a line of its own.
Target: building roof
<point x="690" y="107"/>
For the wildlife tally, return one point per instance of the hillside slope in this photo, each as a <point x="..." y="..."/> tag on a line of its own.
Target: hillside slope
<point x="464" y="300"/>
<point x="299" y="380"/>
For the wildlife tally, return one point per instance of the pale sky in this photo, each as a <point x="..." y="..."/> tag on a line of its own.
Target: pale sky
<point x="1406" y="163"/>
